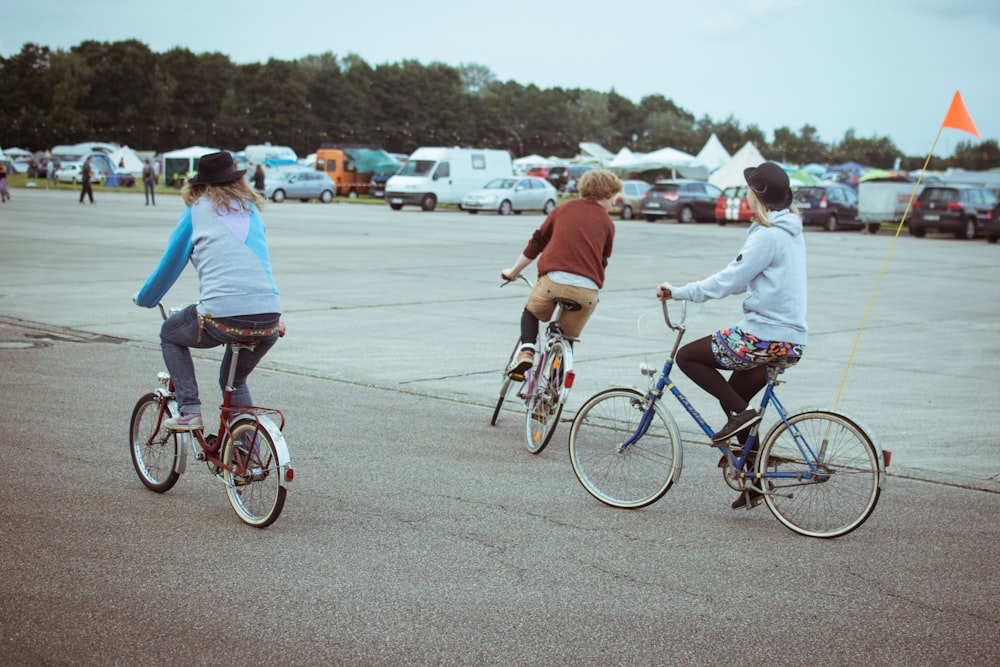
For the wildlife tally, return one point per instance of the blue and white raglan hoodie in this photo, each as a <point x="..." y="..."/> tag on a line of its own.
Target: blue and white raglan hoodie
<point x="771" y="269"/>
<point x="229" y="250"/>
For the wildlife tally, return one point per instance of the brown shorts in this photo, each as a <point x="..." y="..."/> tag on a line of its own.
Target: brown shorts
<point x="542" y="302"/>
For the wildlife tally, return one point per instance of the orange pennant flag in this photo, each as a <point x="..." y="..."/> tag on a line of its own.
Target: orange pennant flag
<point x="958" y="118"/>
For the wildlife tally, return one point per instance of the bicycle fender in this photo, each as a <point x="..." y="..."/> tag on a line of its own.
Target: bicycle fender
<point x="280" y="446"/>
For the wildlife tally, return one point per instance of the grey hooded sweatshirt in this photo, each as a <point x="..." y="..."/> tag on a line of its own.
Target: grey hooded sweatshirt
<point x="771" y="269"/>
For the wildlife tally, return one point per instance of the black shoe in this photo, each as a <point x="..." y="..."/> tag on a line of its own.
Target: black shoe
<point x="748" y="499"/>
<point x="736" y="423"/>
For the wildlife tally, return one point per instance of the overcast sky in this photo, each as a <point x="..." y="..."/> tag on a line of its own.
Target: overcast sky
<point x="879" y="67"/>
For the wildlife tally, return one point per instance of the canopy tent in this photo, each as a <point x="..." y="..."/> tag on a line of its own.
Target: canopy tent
<point x="373" y="161"/>
<point x="713" y="154"/>
<point x="594" y="153"/>
<point x="12" y="153"/>
<point x="178" y="164"/>
<point x="731" y="173"/>
<point x="801" y="177"/>
<point x="627" y="162"/>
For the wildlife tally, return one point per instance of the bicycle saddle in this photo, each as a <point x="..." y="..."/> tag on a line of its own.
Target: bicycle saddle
<point x="568" y="304"/>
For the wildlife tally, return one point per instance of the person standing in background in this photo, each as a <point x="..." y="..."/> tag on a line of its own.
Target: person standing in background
<point x="149" y="182"/>
<point x="4" y="188"/>
<point x="258" y="180"/>
<point x="87" y="189"/>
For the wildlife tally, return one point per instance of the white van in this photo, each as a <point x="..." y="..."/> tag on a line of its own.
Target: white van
<point x="444" y="175"/>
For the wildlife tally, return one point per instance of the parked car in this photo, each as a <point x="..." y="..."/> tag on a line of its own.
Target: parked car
<point x="991" y="230"/>
<point x="683" y="199"/>
<point x="512" y="195"/>
<point x="561" y="176"/>
<point x="540" y="172"/>
<point x="831" y="206"/>
<point x="73" y="173"/>
<point x="628" y="200"/>
<point x="732" y="206"/>
<point x="962" y="210"/>
<point x="304" y="184"/>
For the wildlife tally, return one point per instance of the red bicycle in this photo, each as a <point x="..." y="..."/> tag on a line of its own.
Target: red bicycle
<point x="248" y="453"/>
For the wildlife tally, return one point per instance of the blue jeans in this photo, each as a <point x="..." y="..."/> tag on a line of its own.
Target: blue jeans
<point x="183" y="330"/>
<point x="150" y="190"/>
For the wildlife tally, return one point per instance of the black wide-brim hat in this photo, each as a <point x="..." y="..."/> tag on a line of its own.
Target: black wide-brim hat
<point x="217" y="168"/>
<point x="770" y="183"/>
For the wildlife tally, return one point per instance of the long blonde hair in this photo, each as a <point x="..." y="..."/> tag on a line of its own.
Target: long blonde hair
<point x="236" y="195"/>
<point x="762" y="213"/>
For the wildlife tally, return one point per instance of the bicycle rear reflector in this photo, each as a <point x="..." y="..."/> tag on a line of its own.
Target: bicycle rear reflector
<point x="568" y="381"/>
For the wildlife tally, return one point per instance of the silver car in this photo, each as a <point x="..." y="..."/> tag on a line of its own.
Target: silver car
<point x="298" y="184"/>
<point x="512" y="195"/>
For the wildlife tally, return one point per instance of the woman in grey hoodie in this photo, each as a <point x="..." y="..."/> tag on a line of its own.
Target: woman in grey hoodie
<point x="771" y="269"/>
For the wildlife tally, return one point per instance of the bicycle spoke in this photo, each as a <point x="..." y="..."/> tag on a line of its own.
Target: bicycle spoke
<point x="821" y="498"/>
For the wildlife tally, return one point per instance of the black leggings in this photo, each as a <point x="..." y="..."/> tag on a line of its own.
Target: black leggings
<point x="699" y="364"/>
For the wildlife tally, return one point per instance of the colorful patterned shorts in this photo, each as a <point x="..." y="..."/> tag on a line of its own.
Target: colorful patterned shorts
<point x="736" y="350"/>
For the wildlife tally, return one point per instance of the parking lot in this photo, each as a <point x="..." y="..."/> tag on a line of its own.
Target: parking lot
<point x="415" y="532"/>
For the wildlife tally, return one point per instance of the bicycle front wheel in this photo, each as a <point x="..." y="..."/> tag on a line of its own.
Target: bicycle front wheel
<point x="504" y="388"/>
<point x="545" y="403"/>
<point x="822" y="473"/>
<point x="627" y="477"/>
<point x="154" y="448"/>
<point x="254" y="482"/>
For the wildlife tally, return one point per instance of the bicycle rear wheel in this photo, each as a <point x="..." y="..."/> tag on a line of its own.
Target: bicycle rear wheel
<point x="254" y="485"/>
<point x="832" y="473"/>
<point x="545" y="404"/>
<point x="637" y="475"/>
<point x="154" y="448"/>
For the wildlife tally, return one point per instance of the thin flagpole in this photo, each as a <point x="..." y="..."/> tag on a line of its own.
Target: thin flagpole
<point x="885" y="264"/>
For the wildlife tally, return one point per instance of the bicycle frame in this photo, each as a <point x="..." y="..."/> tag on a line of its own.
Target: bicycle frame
<point x="552" y="333"/>
<point x="208" y="448"/>
<point x="737" y="456"/>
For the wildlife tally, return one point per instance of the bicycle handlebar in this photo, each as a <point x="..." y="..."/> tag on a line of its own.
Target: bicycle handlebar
<point x="520" y="276"/>
<point x="666" y="316"/>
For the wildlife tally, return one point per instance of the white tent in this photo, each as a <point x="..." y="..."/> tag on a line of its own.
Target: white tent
<point x="180" y="163"/>
<point x="713" y="154"/>
<point x="665" y="158"/>
<point x="523" y="164"/>
<point x="624" y="160"/>
<point x="132" y="162"/>
<point x="592" y="152"/>
<point x="731" y="173"/>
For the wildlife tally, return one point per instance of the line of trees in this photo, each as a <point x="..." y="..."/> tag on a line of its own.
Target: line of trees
<point x="124" y="93"/>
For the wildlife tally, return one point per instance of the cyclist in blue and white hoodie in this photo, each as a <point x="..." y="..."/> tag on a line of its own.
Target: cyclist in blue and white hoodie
<point x="771" y="269"/>
<point x="223" y="235"/>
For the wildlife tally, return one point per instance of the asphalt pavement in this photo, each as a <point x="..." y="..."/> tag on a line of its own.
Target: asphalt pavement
<point x="415" y="533"/>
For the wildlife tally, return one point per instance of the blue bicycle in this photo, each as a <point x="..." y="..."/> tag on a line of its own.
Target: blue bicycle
<point x="819" y="472"/>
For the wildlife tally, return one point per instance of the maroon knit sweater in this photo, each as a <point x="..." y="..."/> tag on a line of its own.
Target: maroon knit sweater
<point x="576" y="237"/>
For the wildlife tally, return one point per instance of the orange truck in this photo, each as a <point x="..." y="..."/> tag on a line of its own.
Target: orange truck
<point x="351" y="166"/>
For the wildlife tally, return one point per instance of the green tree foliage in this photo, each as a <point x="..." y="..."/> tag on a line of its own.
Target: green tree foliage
<point x="122" y="92"/>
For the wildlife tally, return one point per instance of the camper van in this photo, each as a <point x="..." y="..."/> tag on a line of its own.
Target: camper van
<point x="436" y="175"/>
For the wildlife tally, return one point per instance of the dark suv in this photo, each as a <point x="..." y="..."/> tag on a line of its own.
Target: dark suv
<point x="561" y="176"/>
<point x="830" y="206"/>
<point x="683" y="199"/>
<point x="962" y="210"/>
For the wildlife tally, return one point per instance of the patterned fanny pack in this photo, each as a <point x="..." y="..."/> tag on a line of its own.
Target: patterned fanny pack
<point x="234" y="331"/>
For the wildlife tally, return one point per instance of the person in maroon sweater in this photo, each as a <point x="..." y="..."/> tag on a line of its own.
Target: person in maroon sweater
<point x="572" y="247"/>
